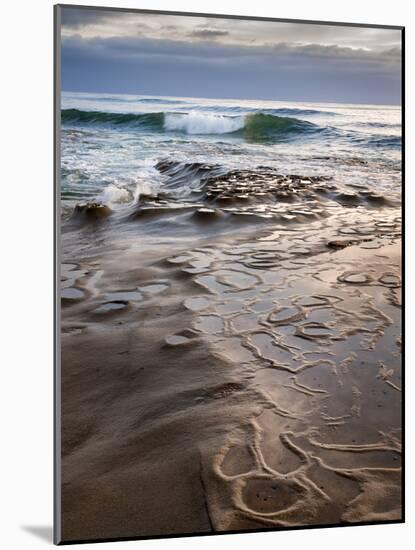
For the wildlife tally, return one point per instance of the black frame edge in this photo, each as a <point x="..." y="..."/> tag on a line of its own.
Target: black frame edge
<point x="56" y="278"/>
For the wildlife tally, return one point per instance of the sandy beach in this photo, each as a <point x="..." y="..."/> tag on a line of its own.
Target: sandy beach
<point x="234" y="379"/>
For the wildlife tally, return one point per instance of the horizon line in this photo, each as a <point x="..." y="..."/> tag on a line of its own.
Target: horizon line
<point x="391" y="105"/>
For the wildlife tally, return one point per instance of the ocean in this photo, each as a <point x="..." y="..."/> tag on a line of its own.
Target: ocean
<point x="111" y="144"/>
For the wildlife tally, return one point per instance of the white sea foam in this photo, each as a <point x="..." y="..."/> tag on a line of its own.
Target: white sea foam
<point x="203" y="123"/>
<point x="112" y="194"/>
<point x="148" y="180"/>
<point x="144" y="188"/>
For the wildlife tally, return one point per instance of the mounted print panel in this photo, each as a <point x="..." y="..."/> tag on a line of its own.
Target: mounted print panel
<point x="228" y="330"/>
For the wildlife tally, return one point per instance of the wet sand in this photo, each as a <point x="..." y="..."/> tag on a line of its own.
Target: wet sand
<point x="233" y="381"/>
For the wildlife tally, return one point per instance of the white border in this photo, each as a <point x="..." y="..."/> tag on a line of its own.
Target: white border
<point x="27" y="277"/>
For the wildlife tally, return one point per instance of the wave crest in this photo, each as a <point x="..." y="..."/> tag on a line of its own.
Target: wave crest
<point x="252" y="126"/>
<point x="203" y="123"/>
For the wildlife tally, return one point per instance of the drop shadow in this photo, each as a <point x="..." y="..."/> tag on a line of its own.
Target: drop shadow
<point x="43" y="532"/>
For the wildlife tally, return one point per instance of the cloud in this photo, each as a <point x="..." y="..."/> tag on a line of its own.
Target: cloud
<point x="123" y="48"/>
<point x="91" y="23"/>
<point x="208" y="33"/>
<point x="338" y="52"/>
<point x="77" y="19"/>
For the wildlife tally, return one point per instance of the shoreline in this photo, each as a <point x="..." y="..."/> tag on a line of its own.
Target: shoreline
<point x="224" y="386"/>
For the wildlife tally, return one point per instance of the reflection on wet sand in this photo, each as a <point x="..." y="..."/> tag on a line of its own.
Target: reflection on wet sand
<point x="266" y="367"/>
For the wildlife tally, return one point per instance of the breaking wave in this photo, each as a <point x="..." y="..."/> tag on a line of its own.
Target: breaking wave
<point x="251" y="126"/>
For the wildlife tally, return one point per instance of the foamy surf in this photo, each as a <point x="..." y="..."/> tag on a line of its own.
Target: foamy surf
<point x="112" y="194"/>
<point x="203" y="123"/>
<point x="120" y="140"/>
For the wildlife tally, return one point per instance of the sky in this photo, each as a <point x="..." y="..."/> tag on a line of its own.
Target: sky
<point x="168" y="55"/>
